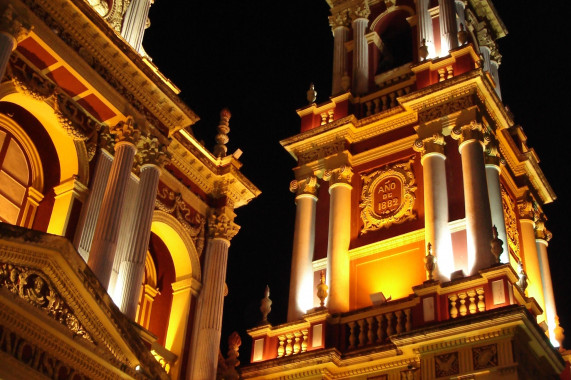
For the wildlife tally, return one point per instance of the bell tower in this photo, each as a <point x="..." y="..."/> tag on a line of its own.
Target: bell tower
<point x="419" y="200"/>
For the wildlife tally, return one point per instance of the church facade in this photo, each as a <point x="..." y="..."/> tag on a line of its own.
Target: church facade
<point x="116" y="221"/>
<point x="420" y="246"/>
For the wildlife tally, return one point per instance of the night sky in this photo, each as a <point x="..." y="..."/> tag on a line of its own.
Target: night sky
<point x="257" y="58"/>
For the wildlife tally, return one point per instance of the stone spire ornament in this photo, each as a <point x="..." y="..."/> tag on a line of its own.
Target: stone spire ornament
<point x="429" y="263"/>
<point x="522" y="282"/>
<point x="462" y="35"/>
<point x="311" y="94"/>
<point x="496" y="245"/>
<point x="266" y="305"/>
<point x="423" y="50"/>
<point x="345" y="81"/>
<point x="231" y="362"/>
<point x="222" y="139"/>
<point x="322" y="289"/>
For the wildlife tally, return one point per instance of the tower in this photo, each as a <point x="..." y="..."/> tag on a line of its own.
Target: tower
<point x="417" y="195"/>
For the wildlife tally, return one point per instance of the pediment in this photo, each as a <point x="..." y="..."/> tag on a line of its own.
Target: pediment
<point x="58" y="317"/>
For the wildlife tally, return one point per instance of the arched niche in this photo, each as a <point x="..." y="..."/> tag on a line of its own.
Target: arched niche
<point x="396" y="34"/>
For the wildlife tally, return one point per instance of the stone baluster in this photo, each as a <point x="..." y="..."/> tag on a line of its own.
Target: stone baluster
<point x="370" y="331"/>
<point x="408" y="324"/>
<point x="463" y="310"/>
<point x="380" y="332"/>
<point x="104" y="244"/>
<point x="472" y="308"/>
<point x="289" y="345"/>
<point x="448" y="27"/>
<point x="297" y="342"/>
<point x="359" y="17"/>
<point x="352" y="337"/>
<point x="436" y="230"/>
<point x="13" y="29"/>
<point x="390" y="330"/>
<point x="476" y="200"/>
<point x="151" y="156"/>
<point x="453" y="309"/>
<point x="90" y="210"/>
<point x="301" y="278"/>
<point x="304" y="333"/>
<point x="338" y="239"/>
<point x="481" y="303"/>
<point x="362" y="335"/>
<point x="208" y="317"/>
<point x="399" y="326"/>
<point x="135" y="21"/>
<point x="339" y="23"/>
<point x="281" y="346"/>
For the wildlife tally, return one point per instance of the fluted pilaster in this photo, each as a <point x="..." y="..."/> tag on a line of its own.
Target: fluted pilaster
<point x="339" y="238"/>
<point x="106" y="231"/>
<point x="476" y="200"/>
<point x="359" y="16"/>
<point x="436" y="229"/>
<point x="301" y="279"/>
<point x="425" y="32"/>
<point x="340" y="27"/>
<point x="448" y="28"/>
<point x="135" y="21"/>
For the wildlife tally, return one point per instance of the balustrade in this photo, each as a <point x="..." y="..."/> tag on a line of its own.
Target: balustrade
<point x="470" y="302"/>
<point x="377" y="329"/>
<point x="292" y="343"/>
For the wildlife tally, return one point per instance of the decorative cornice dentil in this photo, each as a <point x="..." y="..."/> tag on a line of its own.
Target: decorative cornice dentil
<point x="433" y="144"/>
<point x="472" y="131"/>
<point x="221" y="226"/>
<point x="307" y="185"/>
<point x="13" y="24"/>
<point x="343" y="174"/>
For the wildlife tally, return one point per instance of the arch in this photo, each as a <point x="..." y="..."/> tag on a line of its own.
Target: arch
<point x="395" y="31"/>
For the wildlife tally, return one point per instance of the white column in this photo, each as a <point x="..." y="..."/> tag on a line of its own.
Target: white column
<point x="527" y="217"/>
<point x="134" y="22"/>
<point x="542" y="236"/>
<point x="132" y="266"/>
<point x="448" y="30"/>
<point x="476" y="201"/>
<point x="126" y="231"/>
<point x="360" y="49"/>
<point x="436" y="229"/>
<point x="90" y="210"/>
<point x="301" y="279"/>
<point x="12" y="31"/>
<point x="339" y="238"/>
<point x="208" y="317"/>
<point x="340" y="30"/>
<point x="495" y="195"/>
<point x="425" y="27"/>
<point x="461" y="13"/>
<point x="105" y="236"/>
<point x="494" y="66"/>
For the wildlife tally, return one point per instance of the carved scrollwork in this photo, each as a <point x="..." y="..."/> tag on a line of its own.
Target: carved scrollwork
<point x="445" y="109"/>
<point x="33" y="287"/>
<point x="388" y="196"/>
<point x="321" y="152"/>
<point x="343" y="174"/>
<point x="434" y="144"/>
<point x="511" y="222"/>
<point x="360" y="10"/>
<point x="472" y="131"/>
<point x="151" y="152"/>
<point x="13" y="24"/>
<point x="221" y="226"/>
<point x="540" y="231"/>
<point x="308" y="185"/>
<point x="339" y="19"/>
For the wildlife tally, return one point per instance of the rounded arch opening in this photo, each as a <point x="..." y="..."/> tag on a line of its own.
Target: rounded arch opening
<point x="397" y="39"/>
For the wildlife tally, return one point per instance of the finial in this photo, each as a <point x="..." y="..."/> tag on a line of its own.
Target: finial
<point x="345" y="81"/>
<point x="266" y="305"/>
<point x="429" y="263"/>
<point x="558" y="332"/>
<point x="462" y="35"/>
<point x="231" y="362"/>
<point x="423" y="50"/>
<point x="496" y="244"/>
<point x="311" y="94"/>
<point x="522" y="282"/>
<point x="322" y="289"/>
<point x="222" y="139"/>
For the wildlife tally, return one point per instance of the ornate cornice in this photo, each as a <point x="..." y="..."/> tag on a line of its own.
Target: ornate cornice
<point x="308" y="185"/>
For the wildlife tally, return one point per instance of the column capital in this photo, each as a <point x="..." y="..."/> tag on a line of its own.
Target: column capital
<point x="492" y="150"/>
<point x="468" y="132"/>
<point x="526" y="208"/>
<point x="151" y="152"/>
<point x="360" y="11"/>
<point x="126" y="131"/>
<point x="106" y="140"/>
<point x="221" y="225"/>
<point x="542" y="233"/>
<point x="13" y="24"/>
<point x="341" y="175"/>
<point x="433" y="144"/>
<point x="308" y="185"/>
<point x="339" y="19"/>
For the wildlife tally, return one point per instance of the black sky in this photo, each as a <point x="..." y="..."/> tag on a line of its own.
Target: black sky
<point x="258" y="57"/>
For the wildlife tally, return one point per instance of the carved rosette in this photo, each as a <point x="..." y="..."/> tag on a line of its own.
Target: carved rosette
<point x="151" y="152"/>
<point x="541" y="232"/>
<point x="360" y="10"/>
<point x="343" y="174"/>
<point x="221" y="226"/>
<point x="339" y="19"/>
<point x="11" y="23"/>
<point x="388" y="197"/>
<point x="434" y="144"/>
<point x="308" y="185"/>
<point x="126" y="131"/>
<point x="31" y="286"/>
<point x="468" y="132"/>
<point x="511" y="222"/>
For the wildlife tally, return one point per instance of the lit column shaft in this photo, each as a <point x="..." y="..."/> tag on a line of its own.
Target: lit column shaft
<point x="476" y="201"/>
<point x="340" y="30"/>
<point x="105" y="236"/>
<point x="542" y="236"/>
<point x="90" y="211"/>
<point x="208" y="317"/>
<point x="12" y="31"/>
<point x="448" y="30"/>
<point x="494" y="66"/>
<point x="425" y="27"/>
<point x="461" y="13"/>
<point x="135" y="21"/>
<point x="338" y="239"/>
<point x="360" y="49"/>
<point x="301" y="279"/>
<point x="436" y="229"/>
<point x="493" y="171"/>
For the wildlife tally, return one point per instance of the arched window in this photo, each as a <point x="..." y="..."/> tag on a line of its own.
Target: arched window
<point x="148" y="292"/>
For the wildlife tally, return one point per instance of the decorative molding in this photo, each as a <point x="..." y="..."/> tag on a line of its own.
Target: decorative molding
<point x="308" y="185"/>
<point x="14" y="24"/>
<point x="510" y="219"/>
<point x="342" y="174"/>
<point x="444" y="109"/>
<point x="388" y="196"/>
<point x="446" y="364"/>
<point x="221" y="226"/>
<point x="485" y="356"/>
<point x="321" y="152"/>
<point x="468" y="132"/>
<point x="433" y="144"/>
<point x="151" y="152"/>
